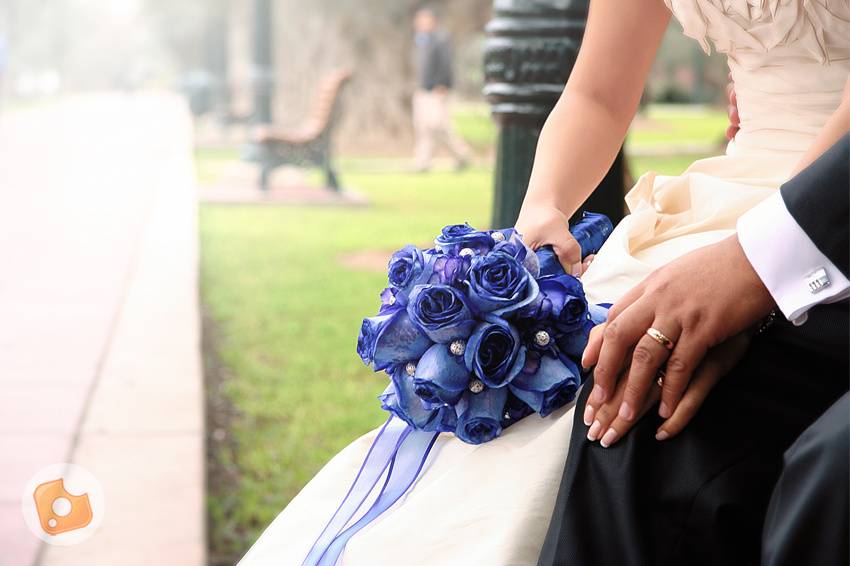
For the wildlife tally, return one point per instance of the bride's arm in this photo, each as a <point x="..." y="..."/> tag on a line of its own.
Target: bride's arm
<point x="837" y="125"/>
<point x="585" y="130"/>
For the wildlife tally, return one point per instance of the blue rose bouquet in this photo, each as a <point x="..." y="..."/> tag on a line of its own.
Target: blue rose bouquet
<point x="479" y="332"/>
<point x="476" y="334"/>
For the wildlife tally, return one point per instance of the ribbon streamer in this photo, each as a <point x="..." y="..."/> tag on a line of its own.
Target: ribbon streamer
<point x="401" y="449"/>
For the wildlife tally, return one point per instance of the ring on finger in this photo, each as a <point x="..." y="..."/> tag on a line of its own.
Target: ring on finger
<point x="660" y="337"/>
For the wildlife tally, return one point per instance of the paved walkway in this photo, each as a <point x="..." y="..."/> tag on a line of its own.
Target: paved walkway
<point x="99" y="341"/>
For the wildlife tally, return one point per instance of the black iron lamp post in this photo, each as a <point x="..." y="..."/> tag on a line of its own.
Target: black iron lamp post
<point x="530" y="51"/>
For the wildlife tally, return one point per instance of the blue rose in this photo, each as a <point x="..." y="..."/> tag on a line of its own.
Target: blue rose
<point x="388" y="300"/>
<point x="516" y="248"/>
<point x="440" y="376"/>
<point x="390" y="338"/>
<point x="441" y="312"/>
<point x="546" y="383"/>
<point x="405" y="266"/>
<point x="401" y="400"/>
<point x="494" y="352"/>
<point x="457" y="237"/>
<point x="559" y="396"/>
<point x="563" y="302"/>
<point x="480" y="415"/>
<point x="573" y="342"/>
<point x="498" y="283"/>
<point x="447" y="269"/>
<point x="515" y="410"/>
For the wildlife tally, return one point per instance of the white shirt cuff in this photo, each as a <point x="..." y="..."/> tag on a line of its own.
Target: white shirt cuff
<point x="797" y="274"/>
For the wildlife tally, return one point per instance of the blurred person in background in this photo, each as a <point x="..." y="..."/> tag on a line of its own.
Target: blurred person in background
<point x="431" y="102"/>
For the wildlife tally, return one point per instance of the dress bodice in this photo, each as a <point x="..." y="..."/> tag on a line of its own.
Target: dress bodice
<point x="789" y="60"/>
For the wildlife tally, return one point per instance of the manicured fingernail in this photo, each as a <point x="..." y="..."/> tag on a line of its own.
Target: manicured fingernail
<point x="576" y="269"/>
<point x="594" y="431"/>
<point x="597" y="396"/>
<point x="626" y="412"/>
<point x="664" y="411"/>
<point x="662" y="435"/>
<point x="583" y="362"/>
<point x="588" y="415"/>
<point x="609" y="438"/>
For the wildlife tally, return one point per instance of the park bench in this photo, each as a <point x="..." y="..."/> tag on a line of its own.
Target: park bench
<point x="309" y="144"/>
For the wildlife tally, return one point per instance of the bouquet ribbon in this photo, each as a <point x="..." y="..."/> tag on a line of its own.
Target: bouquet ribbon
<point x="400" y="451"/>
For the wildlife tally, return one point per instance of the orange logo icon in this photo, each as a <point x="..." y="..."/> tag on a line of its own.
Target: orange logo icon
<point x="58" y="510"/>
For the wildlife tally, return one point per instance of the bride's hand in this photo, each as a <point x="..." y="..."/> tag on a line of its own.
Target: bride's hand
<point x="608" y="427"/>
<point x="541" y="224"/>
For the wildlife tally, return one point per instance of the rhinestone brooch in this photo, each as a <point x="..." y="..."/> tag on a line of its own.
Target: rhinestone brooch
<point x="542" y="338"/>
<point x="457" y="348"/>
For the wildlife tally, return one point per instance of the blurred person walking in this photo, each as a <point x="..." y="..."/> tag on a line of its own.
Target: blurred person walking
<point x="431" y="102"/>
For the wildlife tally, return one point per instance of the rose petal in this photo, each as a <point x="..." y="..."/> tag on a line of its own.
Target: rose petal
<point x="442" y="373"/>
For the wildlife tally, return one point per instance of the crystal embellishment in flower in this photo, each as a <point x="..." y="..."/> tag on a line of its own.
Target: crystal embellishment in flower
<point x="457" y="348"/>
<point x="410" y="368"/>
<point x="498" y="237"/>
<point x="476" y="386"/>
<point x="467" y="252"/>
<point x="542" y="338"/>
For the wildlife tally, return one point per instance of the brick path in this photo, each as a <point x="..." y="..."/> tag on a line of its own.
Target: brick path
<point x="99" y="355"/>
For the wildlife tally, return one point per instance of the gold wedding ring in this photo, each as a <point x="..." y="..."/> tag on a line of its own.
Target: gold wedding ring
<point x="659" y="337"/>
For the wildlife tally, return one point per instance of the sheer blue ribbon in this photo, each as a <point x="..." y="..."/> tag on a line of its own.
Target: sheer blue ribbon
<point x="399" y="450"/>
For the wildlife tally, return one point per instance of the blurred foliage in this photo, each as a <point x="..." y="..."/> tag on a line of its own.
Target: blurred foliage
<point x="682" y="73"/>
<point x="374" y="38"/>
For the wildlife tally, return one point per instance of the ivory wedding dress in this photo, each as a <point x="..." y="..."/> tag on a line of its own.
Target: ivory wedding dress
<point x="491" y="504"/>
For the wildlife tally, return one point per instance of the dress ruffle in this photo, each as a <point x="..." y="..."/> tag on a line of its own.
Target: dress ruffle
<point x="763" y="25"/>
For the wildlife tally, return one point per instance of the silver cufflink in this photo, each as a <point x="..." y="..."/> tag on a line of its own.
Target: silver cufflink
<point x="817" y="281"/>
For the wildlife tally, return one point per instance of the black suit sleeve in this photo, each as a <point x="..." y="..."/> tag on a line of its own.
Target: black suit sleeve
<point x="819" y="200"/>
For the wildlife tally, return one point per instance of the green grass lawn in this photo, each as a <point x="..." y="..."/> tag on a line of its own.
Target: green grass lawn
<point x="285" y="312"/>
<point x="474" y="124"/>
<point x="670" y="125"/>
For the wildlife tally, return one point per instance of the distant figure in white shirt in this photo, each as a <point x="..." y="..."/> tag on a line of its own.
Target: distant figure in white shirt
<point x="432" y="120"/>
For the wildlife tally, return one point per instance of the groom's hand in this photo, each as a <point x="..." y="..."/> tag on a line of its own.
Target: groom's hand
<point x="697" y="302"/>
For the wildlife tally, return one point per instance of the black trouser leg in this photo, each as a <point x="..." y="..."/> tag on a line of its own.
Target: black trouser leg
<point x="807" y="520"/>
<point x="700" y="498"/>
